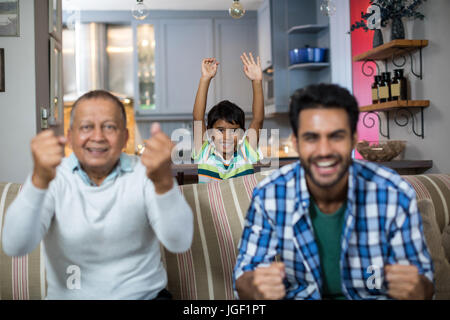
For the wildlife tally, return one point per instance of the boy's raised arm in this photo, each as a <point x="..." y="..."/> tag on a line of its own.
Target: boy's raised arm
<point x="252" y="70"/>
<point x="209" y="70"/>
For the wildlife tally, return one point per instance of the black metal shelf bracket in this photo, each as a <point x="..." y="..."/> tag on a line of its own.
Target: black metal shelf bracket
<point x="369" y="122"/>
<point x="402" y="64"/>
<point x="369" y="70"/>
<point x="406" y="114"/>
<point x="402" y="116"/>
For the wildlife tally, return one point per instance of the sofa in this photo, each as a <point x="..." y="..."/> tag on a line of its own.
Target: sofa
<point x="205" y="271"/>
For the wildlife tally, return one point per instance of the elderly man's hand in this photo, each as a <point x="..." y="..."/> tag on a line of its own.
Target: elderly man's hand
<point x="157" y="159"/>
<point x="47" y="150"/>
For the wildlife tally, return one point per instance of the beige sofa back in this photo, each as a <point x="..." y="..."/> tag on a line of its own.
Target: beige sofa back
<point x="204" y="271"/>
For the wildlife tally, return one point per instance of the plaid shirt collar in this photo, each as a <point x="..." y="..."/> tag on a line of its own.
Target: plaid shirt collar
<point x="302" y="192"/>
<point x="301" y="214"/>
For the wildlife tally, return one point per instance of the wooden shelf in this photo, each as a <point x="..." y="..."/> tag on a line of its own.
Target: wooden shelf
<point x="308" y="28"/>
<point x="396" y="104"/>
<point x="390" y="49"/>
<point x="310" y="66"/>
<point x="408" y="166"/>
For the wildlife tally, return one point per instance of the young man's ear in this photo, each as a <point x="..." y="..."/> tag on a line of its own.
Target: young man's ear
<point x="294" y="142"/>
<point x="354" y="140"/>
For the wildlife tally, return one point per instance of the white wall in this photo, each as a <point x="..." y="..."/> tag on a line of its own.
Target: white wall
<point x="17" y="104"/>
<point x="435" y="87"/>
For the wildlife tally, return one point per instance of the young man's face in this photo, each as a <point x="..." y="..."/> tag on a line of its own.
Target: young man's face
<point x="225" y="136"/>
<point x="324" y="144"/>
<point x="98" y="134"/>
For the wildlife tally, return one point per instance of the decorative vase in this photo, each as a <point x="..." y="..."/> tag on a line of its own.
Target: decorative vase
<point x="397" y="29"/>
<point x="377" y="38"/>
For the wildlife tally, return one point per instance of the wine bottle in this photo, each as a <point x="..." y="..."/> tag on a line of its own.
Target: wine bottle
<point x="398" y="86"/>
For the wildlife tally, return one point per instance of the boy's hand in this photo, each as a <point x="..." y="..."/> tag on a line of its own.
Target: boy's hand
<point x="252" y="69"/>
<point x="209" y="68"/>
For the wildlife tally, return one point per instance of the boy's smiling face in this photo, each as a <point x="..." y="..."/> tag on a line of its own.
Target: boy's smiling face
<point x="225" y="137"/>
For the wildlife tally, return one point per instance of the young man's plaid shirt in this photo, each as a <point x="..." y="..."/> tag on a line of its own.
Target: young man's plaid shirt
<point x="382" y="226"/>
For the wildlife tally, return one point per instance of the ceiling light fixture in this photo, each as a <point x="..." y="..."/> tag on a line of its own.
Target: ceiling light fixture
<point x="328" y="8"/>
<point x="140" y="10"/>
<point x="236" y="10"/>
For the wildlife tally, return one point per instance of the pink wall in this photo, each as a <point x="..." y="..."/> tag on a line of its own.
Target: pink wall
<point x="362" y="41"/>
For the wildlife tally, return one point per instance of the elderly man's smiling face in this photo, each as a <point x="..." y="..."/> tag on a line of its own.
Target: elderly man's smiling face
<point x="97" y="135"/>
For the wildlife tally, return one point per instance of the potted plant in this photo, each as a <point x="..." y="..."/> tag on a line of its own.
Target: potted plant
<point x="390" y="10"/>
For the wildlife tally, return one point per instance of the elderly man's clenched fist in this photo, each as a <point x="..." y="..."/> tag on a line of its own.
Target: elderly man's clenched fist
<point x="48" y="152"/>
<point x="157" y="158"/>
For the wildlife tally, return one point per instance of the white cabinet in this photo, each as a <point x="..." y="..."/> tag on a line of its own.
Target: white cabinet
<point x="265" y="35"/>
<point x="232" y="38"/>
<point x="184" y="43"/>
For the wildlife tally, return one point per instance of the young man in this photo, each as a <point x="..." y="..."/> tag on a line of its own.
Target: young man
<point x="100" y="211"/>
<point x="221" y="148"/>
<point x="343" y="228"/>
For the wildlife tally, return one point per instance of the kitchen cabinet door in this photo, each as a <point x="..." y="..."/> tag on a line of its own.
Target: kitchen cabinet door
<point x="265" y="35"/>
<point x="184" y="43"/>
<point x="232" y="38"/>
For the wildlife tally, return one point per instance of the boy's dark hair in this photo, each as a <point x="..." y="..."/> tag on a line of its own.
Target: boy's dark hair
<point x="100" y="94"/>
<point x="227" y="111"/>
<point x="323" y="95"/>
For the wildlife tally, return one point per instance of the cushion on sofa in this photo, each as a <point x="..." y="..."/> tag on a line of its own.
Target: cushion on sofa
<point x="433" y="239"/>
<point x="21" y="278"/>
<point x="437" y="188"/>
<point x="205" y="270"/>
<point x="446" y="242"/>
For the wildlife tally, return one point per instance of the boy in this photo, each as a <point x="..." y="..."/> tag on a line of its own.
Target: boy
<point x="225" y="151"/>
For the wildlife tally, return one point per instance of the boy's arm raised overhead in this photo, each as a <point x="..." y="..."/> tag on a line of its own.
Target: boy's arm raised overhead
<point x="209" y="70"/>
<point x="252" y="70"/>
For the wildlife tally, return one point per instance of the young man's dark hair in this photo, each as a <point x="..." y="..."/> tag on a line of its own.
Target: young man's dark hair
<point x="323" y="96"/>
<point x="100" y="94"/>
<point x="228" y="111"/>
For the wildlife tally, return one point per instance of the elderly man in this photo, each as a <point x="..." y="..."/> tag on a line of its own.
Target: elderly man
<point x="100" y="212"/>
<point x="343" y="228"/>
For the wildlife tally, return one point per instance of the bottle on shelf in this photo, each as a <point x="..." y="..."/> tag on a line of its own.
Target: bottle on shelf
<point x="399" y="86"/>
<point x="375" y="89"/>
<point x="385" y="87"/>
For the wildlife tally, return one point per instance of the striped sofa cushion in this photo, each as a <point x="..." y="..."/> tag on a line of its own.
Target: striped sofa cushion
<point x="21" y="278"/>
<point x="205" y="270"/>
<point x="437" y="188"/>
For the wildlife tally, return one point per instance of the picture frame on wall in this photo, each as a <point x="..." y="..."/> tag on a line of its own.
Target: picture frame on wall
<point x="2" y="70"/>
<point x="9" y="18"/>
<point x="55" y="18"/>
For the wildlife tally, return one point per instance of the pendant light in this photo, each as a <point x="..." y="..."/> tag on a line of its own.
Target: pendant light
<point x="236" y="10"/>
<point x="140" y="10"/>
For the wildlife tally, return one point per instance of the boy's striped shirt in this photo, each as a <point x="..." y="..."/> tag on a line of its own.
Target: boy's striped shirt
<point x="212" y="167"/>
